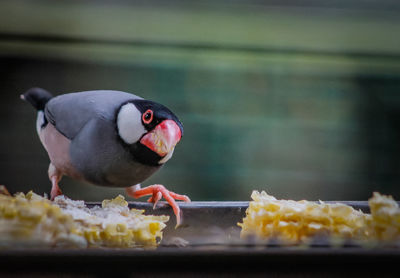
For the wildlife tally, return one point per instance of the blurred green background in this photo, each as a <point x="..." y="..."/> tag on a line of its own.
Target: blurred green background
<point x="298" y="98"/>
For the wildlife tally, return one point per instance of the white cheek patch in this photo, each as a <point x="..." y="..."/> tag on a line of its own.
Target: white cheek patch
<point x="129" y="123"/>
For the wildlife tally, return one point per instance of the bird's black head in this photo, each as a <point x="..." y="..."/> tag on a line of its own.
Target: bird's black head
<point x="149" y="130"/>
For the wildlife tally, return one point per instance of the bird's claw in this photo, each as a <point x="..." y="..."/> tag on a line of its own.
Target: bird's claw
<point x="157" y="195"/>
<point x="158" y="191"/>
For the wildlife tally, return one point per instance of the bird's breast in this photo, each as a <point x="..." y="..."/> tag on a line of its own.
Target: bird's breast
<point x="58" y="149"/>
<point x="127" y="173"/>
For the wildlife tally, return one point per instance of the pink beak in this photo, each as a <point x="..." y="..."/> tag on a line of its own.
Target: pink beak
<point x="163" y="138"/>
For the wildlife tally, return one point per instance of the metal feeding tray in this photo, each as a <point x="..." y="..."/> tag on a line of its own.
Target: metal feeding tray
<point x="207" y="243"/>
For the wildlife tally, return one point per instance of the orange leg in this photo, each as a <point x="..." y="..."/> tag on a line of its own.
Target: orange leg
<point x="55" y="176"/>
<point x="55" y="190"/>
<point x="158" y="191"/>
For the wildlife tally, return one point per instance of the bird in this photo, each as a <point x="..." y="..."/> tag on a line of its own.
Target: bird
<point x="107" y="138"/>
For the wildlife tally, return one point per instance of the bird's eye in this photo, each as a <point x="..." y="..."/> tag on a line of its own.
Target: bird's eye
<point x="147" y="116"/>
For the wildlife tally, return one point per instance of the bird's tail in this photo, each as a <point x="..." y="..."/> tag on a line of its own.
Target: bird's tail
<point x="37" y="97"/>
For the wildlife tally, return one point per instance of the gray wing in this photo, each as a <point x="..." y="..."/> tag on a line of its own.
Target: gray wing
<point x="69" y="113"/>
<point x="102" y="160"/>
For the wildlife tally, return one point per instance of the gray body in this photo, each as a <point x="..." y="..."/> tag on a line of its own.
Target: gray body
<point x="87" y="121"/>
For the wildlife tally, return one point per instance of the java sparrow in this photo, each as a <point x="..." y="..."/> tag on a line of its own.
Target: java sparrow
<point x="108" y="138"/>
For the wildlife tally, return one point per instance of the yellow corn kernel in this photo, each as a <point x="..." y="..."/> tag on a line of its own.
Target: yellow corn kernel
<point x="297" y="222"/>
<point x="34" y="220"/>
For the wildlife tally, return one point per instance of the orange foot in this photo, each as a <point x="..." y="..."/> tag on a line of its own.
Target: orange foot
<point x="55" y="176"/>
<point x="158" y="191"/>
<point x="55" y="190"/>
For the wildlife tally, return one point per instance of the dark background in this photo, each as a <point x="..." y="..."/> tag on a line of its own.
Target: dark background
<point x="300" y="99"/>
